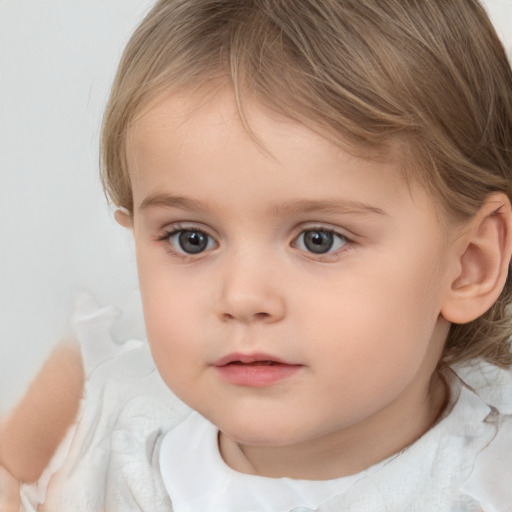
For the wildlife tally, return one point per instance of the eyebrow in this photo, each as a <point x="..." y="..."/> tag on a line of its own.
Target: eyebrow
<point x="293" y="207"/>
<point x="328" y="206"/>
<point x="172" y="201"/>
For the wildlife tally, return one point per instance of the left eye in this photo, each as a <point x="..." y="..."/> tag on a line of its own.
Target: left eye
<point x="320" y="241"/>
<point x="191" y="241"/>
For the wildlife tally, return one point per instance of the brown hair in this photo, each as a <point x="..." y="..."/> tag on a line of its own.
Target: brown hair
<point x="430" y="74"/>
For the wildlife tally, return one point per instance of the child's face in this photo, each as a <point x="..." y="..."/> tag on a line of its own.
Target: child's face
<point x="324" y="263"/>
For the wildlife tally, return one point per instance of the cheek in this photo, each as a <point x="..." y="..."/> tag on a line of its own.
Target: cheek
<point x="171" y="309"/>
<point x="178" y="352"/>
<point x="379" y="325"/>
<point x="169" y="297"/>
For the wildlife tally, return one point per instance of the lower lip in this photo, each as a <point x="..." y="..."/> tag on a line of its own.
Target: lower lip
<point x="255" y="375"/>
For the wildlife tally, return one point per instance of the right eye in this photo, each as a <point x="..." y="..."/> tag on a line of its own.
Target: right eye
<point x="320" y="241"/>
<point x="190" y="241"/>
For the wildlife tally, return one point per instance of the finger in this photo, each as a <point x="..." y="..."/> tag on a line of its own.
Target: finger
<point x="34" y="429"/>
<point x="9" y="492"/>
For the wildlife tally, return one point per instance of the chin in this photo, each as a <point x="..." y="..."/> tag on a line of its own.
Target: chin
<point x="262" y="433"/>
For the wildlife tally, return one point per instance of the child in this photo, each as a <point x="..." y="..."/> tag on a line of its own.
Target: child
<point x="319" y="192"/>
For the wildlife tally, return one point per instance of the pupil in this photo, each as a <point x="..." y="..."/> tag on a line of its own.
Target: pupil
<point x="193" y="242"/>
<point x="318" y="242"/>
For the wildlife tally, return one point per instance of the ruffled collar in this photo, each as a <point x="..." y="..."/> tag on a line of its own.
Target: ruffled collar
<point x="197" y="478"/>
<point x="467" y="463"/>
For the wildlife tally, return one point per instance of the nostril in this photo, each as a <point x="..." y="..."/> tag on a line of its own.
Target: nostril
<point x="261" y="316"/>
<point x="228" y="317"/>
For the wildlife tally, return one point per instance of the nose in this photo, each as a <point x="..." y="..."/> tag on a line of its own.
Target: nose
<point x="250" y="293"/>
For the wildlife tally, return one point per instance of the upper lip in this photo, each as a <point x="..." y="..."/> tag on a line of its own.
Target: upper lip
<point x="249" y="358"/>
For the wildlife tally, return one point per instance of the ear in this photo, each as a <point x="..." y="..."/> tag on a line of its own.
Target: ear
<point x="124" y="217"/>
<point x="483" y="261"/>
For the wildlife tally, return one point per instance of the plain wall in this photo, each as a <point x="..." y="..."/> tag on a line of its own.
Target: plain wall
<point x="57" y="234"/>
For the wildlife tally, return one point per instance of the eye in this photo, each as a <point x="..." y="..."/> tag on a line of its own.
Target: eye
<point x="320" y="241"/>
<point x="190" y="241"/>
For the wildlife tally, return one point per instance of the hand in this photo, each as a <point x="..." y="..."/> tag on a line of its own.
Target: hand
<point x="34" y="429"/>
<point x="9" y="492"/>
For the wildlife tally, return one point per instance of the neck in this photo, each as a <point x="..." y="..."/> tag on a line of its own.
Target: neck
<point x="347" y="451"/>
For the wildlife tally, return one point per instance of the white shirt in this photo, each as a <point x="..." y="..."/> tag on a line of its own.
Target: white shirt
<point x="136" y="448"/>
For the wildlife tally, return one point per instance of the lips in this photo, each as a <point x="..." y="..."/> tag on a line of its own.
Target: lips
<point x="256" y="363"/>
<point x="259" y="358"/>
<point x="254" y="370"/>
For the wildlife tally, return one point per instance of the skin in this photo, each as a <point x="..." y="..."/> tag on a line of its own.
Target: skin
<point x="9" y="495"/>
<point x="32" y="431"/>
<point x="364" y="321"/>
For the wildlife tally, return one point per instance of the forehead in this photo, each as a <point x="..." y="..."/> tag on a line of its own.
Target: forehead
<point x="197" y="141"/>
<point x="184" y="118"/>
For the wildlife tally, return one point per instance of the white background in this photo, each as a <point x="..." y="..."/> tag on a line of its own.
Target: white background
<point x="57" y="236"/>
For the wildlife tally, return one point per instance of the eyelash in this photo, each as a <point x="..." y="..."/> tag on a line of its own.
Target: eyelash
<point x="178" y="229"/>
<point x="330" y="254"/>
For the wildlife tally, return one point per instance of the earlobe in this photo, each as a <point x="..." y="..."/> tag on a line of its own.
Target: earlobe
<point x="124" y="217"/>
<point x="483" y="262"/>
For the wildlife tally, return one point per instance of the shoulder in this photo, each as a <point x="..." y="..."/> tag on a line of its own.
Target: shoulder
<point x="462" y="463"/>
<point x="491" y="383"/>
<point x="109" y="459"/>
<point x="112" y="459"/>
<point x="490" y="481"/>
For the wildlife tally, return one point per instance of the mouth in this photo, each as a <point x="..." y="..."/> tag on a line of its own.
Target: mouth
<point x="255" y="363"/>
<point x="250" y="359"/>
<point x="254" y="370"/>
